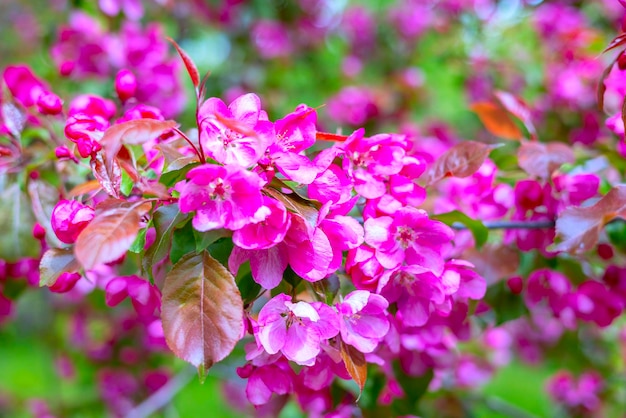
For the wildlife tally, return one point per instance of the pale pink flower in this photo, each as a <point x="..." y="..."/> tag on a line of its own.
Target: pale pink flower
<point x="364" y="321"/>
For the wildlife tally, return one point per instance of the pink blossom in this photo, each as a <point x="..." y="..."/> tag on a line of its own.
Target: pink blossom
<point x="125" y="84"/>
<point x="49" y="104"/>
<point x="593" y="301"/>
<point x="132" y="9"/>
<point x="268" y="232"/>
<point x="238" y="134"/>
<point x="295" y="329"/>
<point x="223" y="197"/>
<point x="271" y="39"/>
<point x="69" y="218"/>
<point x="266" y="265"/>
<point x="309" y="250"/>
<point x="144" y="296"/>
<point x="85" y="131"/>
<point x="353" y="106"/>
<point x="363" y="321"/>
<point x="65" y="282"/>
<point x="364" y="268"/>
<point x="91" y="105"/>
<point x="266" y="379"/>
<point x="409" y="237"/>
<point x="23" y="84"/>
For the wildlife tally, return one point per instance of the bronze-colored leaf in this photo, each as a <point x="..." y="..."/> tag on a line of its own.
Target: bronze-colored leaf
<point x="518" y="108"/>
<point x="497" y="120"/>
<point x="355" y="363"/>
<point x="579" y="227"/>
<point x="192" y="70"/>
<point x="109" y="176"/>
<point x="111" y="232"/>
<point x="541" y="160"/>
<point x="54" y="262"/>
<point x="493" y="262"/>
<point x="602" y="87"/>
<point x="462" y="160"/>
<point x="132" y="132"/>
<point x="91" y="186"/>
<point x="202" y="310"/>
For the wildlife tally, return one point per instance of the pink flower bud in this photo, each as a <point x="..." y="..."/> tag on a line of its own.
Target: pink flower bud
<point x="49" y="104"/>
<point x="66" y="68"/>
<point x="125" y="85"/>
<point x="65" y="282"/>
<point x="69" y="218"/>
<point x="39" y="232"/>
<point x="515" y="284"/>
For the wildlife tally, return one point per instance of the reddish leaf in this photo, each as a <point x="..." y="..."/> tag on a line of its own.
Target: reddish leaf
<point x="109" y="177"/>
<point x="127" y="162"/>
<point x="602" y="87"/>
<point x="579" y="227"/>
<point x="497" y="120"/>
<point x="462" y="160"/>
<point x="54" y="262"/>
<point x="493" y="262"/>
<point x="111" y="232"/>
<point x="90" y="186"/>
<point x="192" y="70"/>
<point x="616" y="42"/>
<point x="519" y="109"/>
<point x="202" y="311"/>
<point x="325" y="136"/>
<point x="132" y="132"/>
<point x="541" y="160"/>
<point x="355" y="363"/>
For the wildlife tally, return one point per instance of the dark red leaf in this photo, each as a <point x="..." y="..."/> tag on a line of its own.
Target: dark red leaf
<point x="192" y="70"/>
<point x="109" y="177"/>
<point x="202" y="311"/>
<point x="127" y="162"/>
<point x="519" y="109"/>
<point x="616" y="42"/>
<point x="462" y="160"/>
<point x="497" y="120"/>
<point x="54" y="262"/>
<point x="541" y="160"/>
<point x="602" y="87"/>
<point x="111" y="232"/>
<point x="579" y="227"/>
<point x="355" y="364"/>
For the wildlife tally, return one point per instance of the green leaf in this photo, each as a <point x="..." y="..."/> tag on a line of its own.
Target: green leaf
<point x="140" y="242"/>
<point x="506" y="305"/>
<point x="478" y="229"/>
<point x="127" y="184"/>
<point x="204" y="239"/>
<point x="165" y="219"/>
<point x="172" y="177"/>
<point x="414" y="387"/>
<point x="183" y="242"/>
<point x="248" y="288"/>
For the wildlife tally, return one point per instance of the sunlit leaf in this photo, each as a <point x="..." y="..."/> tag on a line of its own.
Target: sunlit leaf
<point x="111" y="232"/>
<point x="541" y="160"/>
<point x="579" y="227"/>
<point x="202" y="311"/>
<point x="54" y="262"/>
<point x="355" y="363"/>
<point x="497" y="120"/>
<point x="91" y="186"/>
<point x="462" y="160"/>
<point x="519" y="109"/>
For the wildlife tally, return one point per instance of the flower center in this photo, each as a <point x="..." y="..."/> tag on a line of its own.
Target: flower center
<point x="406" y="236"/>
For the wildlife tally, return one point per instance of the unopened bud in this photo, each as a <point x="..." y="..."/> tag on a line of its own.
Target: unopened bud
<point x="125" y="85"/>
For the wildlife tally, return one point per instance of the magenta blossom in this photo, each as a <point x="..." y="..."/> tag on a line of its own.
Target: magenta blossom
<point x="295" y="329"/>
<point x="409" y="237"/>
<point x="69" y="218"/>
<point x="238" y="134"/>
<point x="65" y="282"/>
<point x="144" y="296"/>
<point x="268" y="232"/>
<point x="364" y="321"/>
<point x="223" y="197"/>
